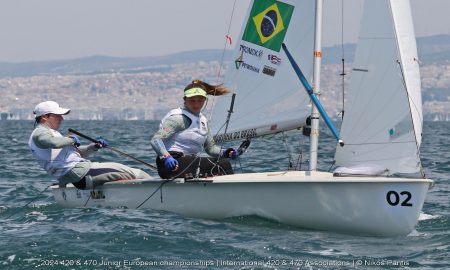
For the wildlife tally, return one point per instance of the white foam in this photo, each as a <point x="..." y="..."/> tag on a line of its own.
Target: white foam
<point x="415" y="233"/>
<point x="10" y="259"/>
<point x="331" y="251"/>
<point x="424" y="216"/>
<point x="39" y="216"/>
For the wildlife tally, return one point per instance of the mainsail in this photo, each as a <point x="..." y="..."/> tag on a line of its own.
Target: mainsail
<point x="269" y="98"/>
<point x="383" y="115"/>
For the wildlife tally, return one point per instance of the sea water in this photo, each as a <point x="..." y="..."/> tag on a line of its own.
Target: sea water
<point x="44" y="235"/>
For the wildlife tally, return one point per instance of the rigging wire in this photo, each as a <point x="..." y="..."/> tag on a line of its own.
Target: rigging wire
<point x="228" y="40"/>
<point x="288" y="150"/>
<point x="332" y="165"/>
<point x="300" y="155"/>
<point x="343" y="60"/>
<point x="422" y="171"/>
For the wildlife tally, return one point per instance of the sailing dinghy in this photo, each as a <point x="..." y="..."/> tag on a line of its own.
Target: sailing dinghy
<point x="379" y="138"/>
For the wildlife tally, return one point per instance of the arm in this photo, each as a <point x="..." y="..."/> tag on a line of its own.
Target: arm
<point x="216" y="151"/>
<point x="172" y="125"/>
<point x="86" y="150"/>
<point x="210" y="146"/>
<point x="44" y="138"/>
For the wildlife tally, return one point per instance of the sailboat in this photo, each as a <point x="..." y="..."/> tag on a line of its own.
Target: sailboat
<point x="377" y="187"/>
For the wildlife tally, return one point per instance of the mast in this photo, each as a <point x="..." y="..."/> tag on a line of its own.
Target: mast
<point x="314" y="137"/>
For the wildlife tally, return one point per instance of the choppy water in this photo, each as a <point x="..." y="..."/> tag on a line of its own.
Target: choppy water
<point x="46" y="236"/>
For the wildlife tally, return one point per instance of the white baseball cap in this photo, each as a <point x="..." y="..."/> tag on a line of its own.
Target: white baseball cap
<point x="49" y="107"/>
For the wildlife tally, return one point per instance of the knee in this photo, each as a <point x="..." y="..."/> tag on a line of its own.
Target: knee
<point x="143" y="175"/>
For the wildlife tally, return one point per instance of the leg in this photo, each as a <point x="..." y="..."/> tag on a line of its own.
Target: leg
<point x="103" y="172"/>
<point x="188" y="167"/>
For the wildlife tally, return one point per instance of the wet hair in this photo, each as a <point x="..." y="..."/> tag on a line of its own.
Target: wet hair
<point x="214" y="90"/>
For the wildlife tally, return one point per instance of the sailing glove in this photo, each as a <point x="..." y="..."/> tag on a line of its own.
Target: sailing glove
<point x="76" y="140"/>
<point x="101" y="143"/>
<point x="170" y="163"/>
<point x="230" y="153"/>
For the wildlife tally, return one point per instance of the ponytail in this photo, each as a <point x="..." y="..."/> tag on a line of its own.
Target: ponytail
<point x="214" y="90"/>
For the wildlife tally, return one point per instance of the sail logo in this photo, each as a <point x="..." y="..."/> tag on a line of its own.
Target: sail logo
<point x="274" y="59"/>
<point x="268" y="23"/>
<point x="241" y="63"/>
<point x="269" y="71"/>
<point x="251" y="51"/>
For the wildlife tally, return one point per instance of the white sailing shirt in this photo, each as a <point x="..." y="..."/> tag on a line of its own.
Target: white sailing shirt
<point x="56" y="161"/>
<point x="191" y="140"/>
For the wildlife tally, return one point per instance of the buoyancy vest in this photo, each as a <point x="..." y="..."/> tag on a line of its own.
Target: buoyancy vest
<point x="191" y="140"/>
<point x="57" y="162"/>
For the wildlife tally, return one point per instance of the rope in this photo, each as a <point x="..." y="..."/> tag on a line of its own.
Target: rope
<point x="166" y="181"/>
<point x="87" y="200"/>
<point x="154" y="192"/>
<point x="34" y="199"/>
<point x="170" y="180"/>
<point x="331" y="166"/>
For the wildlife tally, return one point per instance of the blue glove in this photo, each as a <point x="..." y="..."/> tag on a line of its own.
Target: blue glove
<point x="230" y="153"/>
<point x="76" y="140"/>
<point x="101" y="143"/>
<point x="170" y="163"/>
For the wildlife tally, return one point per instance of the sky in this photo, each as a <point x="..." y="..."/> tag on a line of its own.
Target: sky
<point x="35" y="30"/>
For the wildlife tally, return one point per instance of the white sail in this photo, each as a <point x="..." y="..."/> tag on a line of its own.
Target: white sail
<point x="382" y="125"/>
<point x="269" y="96"/>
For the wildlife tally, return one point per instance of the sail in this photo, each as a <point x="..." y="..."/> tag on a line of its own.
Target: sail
<point x="269" y="97"/>
<point x="382" y="125"/>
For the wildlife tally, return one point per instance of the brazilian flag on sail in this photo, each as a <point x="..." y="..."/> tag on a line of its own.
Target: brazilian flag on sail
<point x="268" y="23"/>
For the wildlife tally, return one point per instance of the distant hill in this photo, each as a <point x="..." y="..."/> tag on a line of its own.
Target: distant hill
<point x="434" y="48"/>
<point x="106" y="64"/>
<point x="431" y="49"/>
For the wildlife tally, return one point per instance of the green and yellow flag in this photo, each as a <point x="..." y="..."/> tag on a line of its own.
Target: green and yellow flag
<point x="268" y="23"/>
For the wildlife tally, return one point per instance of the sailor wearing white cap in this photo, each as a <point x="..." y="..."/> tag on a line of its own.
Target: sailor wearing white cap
<point x="64" y="157"/>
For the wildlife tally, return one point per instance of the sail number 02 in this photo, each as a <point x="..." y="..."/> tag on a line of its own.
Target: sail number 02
<point x="394" y="198"/>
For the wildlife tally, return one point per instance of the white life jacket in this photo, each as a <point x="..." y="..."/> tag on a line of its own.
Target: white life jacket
<point x="191" y="140"/>
<point x="57" y="162"/>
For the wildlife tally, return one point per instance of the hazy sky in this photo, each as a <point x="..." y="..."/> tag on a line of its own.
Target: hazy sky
<point x="62" y="29"/>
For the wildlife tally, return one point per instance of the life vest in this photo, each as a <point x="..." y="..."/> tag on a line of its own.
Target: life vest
<point x="57" y="162"/>
<point x="191" y="140"/>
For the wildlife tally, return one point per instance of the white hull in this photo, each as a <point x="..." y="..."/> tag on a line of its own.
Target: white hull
<point x="356" y="205"/>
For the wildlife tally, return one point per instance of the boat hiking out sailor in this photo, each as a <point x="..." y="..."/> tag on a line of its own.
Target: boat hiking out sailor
<point x="184" y="134"/>
<point x="64" y="157"/>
